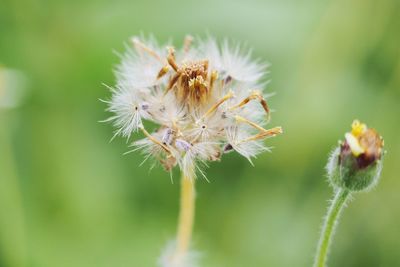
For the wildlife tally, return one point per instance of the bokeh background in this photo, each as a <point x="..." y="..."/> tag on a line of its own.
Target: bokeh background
<point x="69" y="198"/>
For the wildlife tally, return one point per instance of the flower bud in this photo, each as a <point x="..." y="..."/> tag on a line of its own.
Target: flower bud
<point x="357" y="163"/>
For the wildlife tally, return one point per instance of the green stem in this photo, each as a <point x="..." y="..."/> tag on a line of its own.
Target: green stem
<point x="328" y="228"/>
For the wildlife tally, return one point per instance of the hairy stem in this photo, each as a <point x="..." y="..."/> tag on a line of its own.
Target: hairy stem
<point x="328" y="228"/>
<point x="186" y="217"/>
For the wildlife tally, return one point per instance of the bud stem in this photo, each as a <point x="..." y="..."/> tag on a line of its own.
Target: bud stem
<point x="186" y="218"/>
<point x="338" y="202"/>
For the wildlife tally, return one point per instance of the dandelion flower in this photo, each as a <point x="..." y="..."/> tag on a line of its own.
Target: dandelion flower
<point x="205" y="99"/>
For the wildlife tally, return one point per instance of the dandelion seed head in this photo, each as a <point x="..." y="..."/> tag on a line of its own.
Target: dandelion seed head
<point x="194" y="96"/>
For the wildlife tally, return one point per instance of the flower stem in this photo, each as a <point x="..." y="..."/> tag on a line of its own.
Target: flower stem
<point x="186" y="217"/>
<point x="328" y="228"/>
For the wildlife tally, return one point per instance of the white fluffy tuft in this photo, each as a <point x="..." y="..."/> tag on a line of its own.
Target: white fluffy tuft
<point x="167" y="258"/>
<point x="195" y="96"/>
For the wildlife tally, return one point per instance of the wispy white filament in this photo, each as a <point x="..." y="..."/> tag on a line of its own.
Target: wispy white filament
<point x="196" y="115"/>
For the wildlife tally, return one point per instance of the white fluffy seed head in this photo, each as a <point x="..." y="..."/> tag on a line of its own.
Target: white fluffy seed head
<point x="205" y="100"/>
<point x="169" y="259"/>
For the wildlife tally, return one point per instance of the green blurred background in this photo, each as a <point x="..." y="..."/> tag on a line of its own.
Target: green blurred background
<point x="68" y="197"/>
